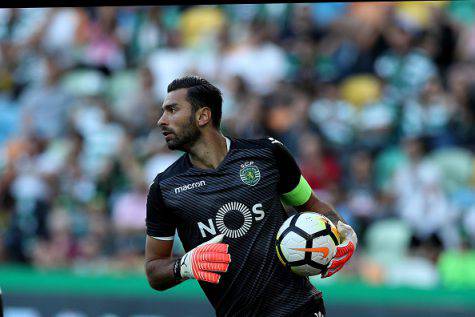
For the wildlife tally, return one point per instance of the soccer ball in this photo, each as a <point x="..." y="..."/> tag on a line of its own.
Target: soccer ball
<point x="306" y="242"/>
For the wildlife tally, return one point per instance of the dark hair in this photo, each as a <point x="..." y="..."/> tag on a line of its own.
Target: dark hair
<point x="200" y="93"/>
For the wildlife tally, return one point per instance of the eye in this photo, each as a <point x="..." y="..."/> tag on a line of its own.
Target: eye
<point x="172" y="109"/>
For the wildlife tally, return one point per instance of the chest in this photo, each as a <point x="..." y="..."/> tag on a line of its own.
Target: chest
<point x="229" y="198"/>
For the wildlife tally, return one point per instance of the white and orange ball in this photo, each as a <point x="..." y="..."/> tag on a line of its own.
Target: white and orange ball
<point x="306" y="242"/>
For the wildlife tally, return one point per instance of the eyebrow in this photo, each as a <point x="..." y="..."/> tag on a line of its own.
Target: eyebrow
<point x="169" y="105"/>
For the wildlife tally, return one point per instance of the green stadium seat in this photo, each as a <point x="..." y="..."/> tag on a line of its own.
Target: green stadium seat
<point x="387" y="241"/>
<point x="457" y="269"/>
<point x="84" y="82"/>
<point x="456" y="165"/>
<point x="386" y="164"/>
<point x="121" y="83"/>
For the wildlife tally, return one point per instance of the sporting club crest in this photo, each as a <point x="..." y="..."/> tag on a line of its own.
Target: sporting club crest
<point x="249" y="173"/>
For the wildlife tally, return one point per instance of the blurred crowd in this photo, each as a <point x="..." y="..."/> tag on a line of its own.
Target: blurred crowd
<point x="376" y="101"/>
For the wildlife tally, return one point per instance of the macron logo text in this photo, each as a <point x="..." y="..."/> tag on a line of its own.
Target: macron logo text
<point x="189" y="186"/>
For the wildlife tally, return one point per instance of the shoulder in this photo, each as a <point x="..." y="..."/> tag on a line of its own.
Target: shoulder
<point x="178" y="167"/>
<point x="262" y="143"/>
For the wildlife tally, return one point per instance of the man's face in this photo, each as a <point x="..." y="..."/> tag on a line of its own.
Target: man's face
<point x="178" y="123"/>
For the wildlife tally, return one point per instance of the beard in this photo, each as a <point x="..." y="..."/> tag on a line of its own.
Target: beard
<point x="190" y="133"/>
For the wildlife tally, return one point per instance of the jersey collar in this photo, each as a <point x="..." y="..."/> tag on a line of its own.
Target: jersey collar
<point x="228" y="143"/>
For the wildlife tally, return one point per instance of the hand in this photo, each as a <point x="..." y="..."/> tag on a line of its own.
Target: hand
<point x="206" y="260"/>
<point x="344" y="250"/>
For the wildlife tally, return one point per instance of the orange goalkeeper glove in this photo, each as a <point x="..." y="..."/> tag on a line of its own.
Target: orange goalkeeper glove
<point x="344" y="250"/>
<point x="205" y="262"/>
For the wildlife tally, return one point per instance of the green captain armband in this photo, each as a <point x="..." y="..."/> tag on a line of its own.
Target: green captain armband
<point x="299" y="195"/>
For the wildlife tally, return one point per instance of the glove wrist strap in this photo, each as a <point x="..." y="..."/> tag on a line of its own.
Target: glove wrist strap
<point x="176" y="269"/>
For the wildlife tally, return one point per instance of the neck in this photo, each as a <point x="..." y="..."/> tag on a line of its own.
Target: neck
<point x="209" y="151"/>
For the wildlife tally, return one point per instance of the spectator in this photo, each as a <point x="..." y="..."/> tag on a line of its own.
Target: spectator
<point x="168" y="62"/>
<point x="429" y="115"/>
<point x="421" y="202"/>
<point x="462" y="123"/>
<point x="405" y="67"/>
<point x="334" y="117"/>
<point x="127" y="219"/>
<point x="361" y="194"/>
<point x="376" y="123"/>
<point x="60" y="248"/>
<point x="136" y="106"/>
<point x="45" y="107"/>
<point x="103" y="47"/>
<point x="254" y="57"/>
<point x="321" y="170"/>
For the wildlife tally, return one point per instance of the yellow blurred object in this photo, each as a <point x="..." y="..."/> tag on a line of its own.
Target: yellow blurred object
<point x="361" y="89"/>
<point x="6" y="80"/>
<point x="198" y="21"/>
<point x="423" y="3"/>
<point x="418" y="12"/>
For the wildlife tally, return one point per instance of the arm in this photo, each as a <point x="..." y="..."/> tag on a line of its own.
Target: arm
<point x="205" y="262"/>
<point x="321" y="207"/>
<point x="302" y="198"/>
<point x="159" y="264"/>
<point x="161" y="227"/>
<point x="295" y="191"/>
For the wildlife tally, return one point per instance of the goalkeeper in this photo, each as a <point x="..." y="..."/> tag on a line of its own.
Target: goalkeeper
<point x="224" y="198"/>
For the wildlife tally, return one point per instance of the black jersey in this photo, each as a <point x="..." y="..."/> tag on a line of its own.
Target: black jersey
<point x="241" y="199"/>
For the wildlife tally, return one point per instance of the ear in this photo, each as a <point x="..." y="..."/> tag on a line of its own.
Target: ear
<point x="203" y="116"/>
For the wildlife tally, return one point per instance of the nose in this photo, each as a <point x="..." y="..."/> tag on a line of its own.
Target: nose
<point x="162" y="121"/>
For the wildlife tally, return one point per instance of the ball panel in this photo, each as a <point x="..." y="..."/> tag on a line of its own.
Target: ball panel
<point x="290" y="242"/>
<point x="310" y="222"/>
<point x="284" y="226"/>
<point x="325" y="250"/>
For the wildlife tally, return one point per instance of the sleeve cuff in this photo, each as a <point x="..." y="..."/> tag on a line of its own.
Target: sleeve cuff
<point x="164" y="238"/>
